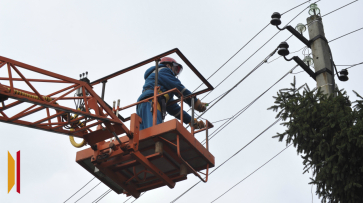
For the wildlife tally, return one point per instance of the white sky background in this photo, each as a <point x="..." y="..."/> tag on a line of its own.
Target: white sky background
<point x="101" y="37"/>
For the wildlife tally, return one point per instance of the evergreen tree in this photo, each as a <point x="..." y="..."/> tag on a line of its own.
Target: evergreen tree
<point x="328" y="133"/>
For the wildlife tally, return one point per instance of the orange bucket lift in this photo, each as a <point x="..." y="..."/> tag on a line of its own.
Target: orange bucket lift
<point x="132" y="163"/>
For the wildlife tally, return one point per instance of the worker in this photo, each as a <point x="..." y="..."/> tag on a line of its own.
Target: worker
<point x="168" y="73"/>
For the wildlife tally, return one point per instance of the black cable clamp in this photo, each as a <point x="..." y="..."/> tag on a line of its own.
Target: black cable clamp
<point x="317" y="37"/>
<point x="323" y="71"/>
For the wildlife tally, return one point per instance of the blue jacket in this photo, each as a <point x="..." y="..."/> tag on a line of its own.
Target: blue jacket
<point x="166" y="81"/>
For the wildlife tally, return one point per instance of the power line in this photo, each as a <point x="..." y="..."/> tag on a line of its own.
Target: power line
<point x="239" y="82"/>
<point x="339" y="8"/>
<point x="101" y="196"/>
<point x="350" y="65"/>
<point x="234" y="54"/>
<point x="80" y="189"/>
<point x="345" y="35"/>
<point x="253" y="53"/>
<point x="220" y="120"/>
<point x="354" y="65"/>
<point x="229" y="158"/>
<point x="249" y="58"/>
<point x="249" y="42"/>
<point x="295" y="7"/>
<point x="307" y="24"/>
<point x="236" y="68"/>
<point x="137" y="198"/>
<point x="290" y="53"/>
<point x="251" y="173"/>
<point x="127" y="199"/>
<point x="88" y="192"/>
<point x="221" y="129"/>
<point x="225" y="124"/>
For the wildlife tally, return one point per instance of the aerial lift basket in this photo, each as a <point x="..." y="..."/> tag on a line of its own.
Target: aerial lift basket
<point x="132" y="163"/>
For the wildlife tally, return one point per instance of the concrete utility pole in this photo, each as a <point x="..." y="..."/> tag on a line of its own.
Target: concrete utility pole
<point x="321" y="55"/>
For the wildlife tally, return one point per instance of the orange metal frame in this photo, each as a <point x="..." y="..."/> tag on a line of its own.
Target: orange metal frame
<point x="123" y="152"/>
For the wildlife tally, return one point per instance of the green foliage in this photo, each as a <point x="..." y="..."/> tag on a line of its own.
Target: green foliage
<point x="328" y="134"/>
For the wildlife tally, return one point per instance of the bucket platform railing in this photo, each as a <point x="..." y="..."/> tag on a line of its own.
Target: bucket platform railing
<point x="128" y="160"/>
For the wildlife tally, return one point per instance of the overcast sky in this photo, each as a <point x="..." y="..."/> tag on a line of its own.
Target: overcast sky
<point x="101" y="37"/>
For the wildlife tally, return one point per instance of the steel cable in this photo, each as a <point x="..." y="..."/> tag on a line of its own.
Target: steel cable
<point x="80" y="189"/>
<point x="138" y="198"/>
<point x="249" y="42"/>
<point x="239" y="82"/>
<point x="354" y="65"/>
<point x="350" y="65"/>
<point x="225" y="64"/>
<point x="127" y="200"/>
<point x="248" y="143"/>
<point x="339" y="8"/>
<point x="251" y="56"/>
<point x="253" y="53"/>
<point x="345" y="35"/>
<point x="295" y="7"/>
<point x="251" y="173"/>
<point x="101" y="196"/>
<point x="229" y="158"/>
<point x="234" y="55"/>
<point x="228" y="91"/>
<point x="215" y="132"/>
<point x="88" y="192"/>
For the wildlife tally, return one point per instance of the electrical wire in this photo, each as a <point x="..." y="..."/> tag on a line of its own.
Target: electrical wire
<point x="334" y="40"/>
<point x="351" y="66"/>
<point x="220" y="120"/>
<point x="253" y="53"/>
<point x="290" y="53"/>
<point x="101" y="196"/>
<point x="234" y="55"/>
<point x="88" y="192"/>
<point x="250" y="57"/>
<point x="225" y="124"/>
<point x="228" y="158"/>
<point x="313" y="21"/>
<point x="295" y="7"/>
<point x="239" y="82"/>
<point x="249" y="42"/>
<point x="298" y="72"/>
<point x="251" y="173"/>
<point x="242" y="63"/>
<point x="127" y="199"/>
<point x="139" y="197"/>
<point x="345" y="35"/>
<point x="339" y="8"/>
<point x="79" y="189"/>
<point x="354" y="65"/>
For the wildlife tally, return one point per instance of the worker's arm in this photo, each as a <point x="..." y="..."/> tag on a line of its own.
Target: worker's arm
<point x="174" y="110"/>
<point x="169" y="81"/>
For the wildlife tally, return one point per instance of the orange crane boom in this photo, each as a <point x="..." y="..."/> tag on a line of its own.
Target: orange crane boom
<point x="132" y="163"/>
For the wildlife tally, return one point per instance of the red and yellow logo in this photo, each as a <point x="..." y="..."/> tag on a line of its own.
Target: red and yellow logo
<point x="11" y="172"/>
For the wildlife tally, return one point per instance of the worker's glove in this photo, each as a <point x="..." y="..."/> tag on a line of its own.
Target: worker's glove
<point x="198" y="124"/>
<point x="200" y="106"/>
